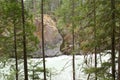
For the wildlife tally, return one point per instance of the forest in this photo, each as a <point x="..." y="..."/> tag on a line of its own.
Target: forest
<point x="59" y="39"/>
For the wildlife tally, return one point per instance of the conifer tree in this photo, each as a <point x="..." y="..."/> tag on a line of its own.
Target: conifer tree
<point x="15" y="40"/>
<point x="15" y="46"/>
<point x="73" y="40"/>
<point x="24" y="42"/>
<point x="113" y="37"/>
<point x="118" y="75"/>
<point x="94" y="2"/>
<point x="43" y="52"/>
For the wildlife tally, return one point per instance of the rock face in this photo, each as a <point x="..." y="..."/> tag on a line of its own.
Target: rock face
<point x="52" y="37"/>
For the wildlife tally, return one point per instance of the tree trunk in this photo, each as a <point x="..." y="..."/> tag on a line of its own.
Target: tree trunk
<point x="15" y="51"/>
<point x="113" y="37"/>
<point x="15" y="46"/>
<point x="95" y="38"/>
<point x="73" y="25"/>
<point x="43" y="52"/>
<point x="118" y="78"/>
<point x="119" y="63"/>
<point x="24" y="42"/>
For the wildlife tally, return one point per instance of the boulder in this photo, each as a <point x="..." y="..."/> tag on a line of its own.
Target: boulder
<point x="52" y="37"/>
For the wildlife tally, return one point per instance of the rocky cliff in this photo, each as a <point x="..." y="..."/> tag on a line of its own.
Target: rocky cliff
<point x="53" y="39"/>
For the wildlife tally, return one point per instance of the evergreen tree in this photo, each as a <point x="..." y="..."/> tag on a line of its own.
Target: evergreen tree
<point x="113" y="36"/>
<point x="24" y="42"/>
<point x="43" y="52"/>
<point x="15" y="46"/>
<point x="94" y="2"/>
<point x="73" y="40"/>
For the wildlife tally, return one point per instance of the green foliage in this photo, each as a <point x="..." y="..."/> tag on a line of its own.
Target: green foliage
<point x="89" y="34"/>
<point x="10" y="18"/>
<point x="103" y="72"/>
<point x="86" y="37"/>
<point x="35" y="71"/>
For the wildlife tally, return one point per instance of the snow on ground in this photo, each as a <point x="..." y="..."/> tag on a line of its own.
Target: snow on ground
<point x="60" y="68"/>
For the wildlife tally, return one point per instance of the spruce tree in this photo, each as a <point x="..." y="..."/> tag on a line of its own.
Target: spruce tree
<point x="113" y="37"/>
<point x="24" y="42"/>
<point x="43" y="51"/>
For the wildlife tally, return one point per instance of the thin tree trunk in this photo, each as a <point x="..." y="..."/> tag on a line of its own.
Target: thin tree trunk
<point x="95" y="38"/>
<point x="24" y="42"/>
<point x="88" y="77"/>
<point x="33" y="74"/>
<point x="118" y="78"/>
<point x="119" y="63"/>
<point x="43" y="52"/>
<point x="95" y="62"/>
<point x="73" y="25"/>
<point x="15" y="46"/>
<point x="15" y="51"/>
<point x="113" y="37"/>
